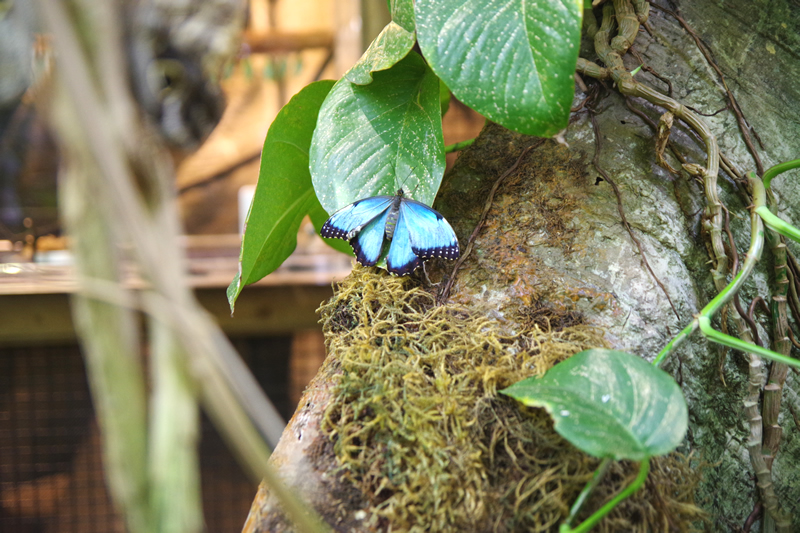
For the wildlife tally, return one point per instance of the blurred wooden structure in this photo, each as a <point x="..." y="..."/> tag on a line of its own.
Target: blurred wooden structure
<point x="36" y="306"/>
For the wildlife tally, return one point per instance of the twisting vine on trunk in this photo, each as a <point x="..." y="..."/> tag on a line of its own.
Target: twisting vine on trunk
<point x="621" y="20"/>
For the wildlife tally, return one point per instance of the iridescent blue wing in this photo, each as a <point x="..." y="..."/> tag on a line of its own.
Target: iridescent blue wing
<point x="401" y="260"/>
<point x="429" y="233"/>
<point x="362" y="224"/>
<point x="348" y="221"/>
<point x="367" y="243"/>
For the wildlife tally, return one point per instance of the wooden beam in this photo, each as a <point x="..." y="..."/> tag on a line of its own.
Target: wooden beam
<point x="45" y="319"/>
<point x="34" y="297"/>
<point x="284" y="42"/>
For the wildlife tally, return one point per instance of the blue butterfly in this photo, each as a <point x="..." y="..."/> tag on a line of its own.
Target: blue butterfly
<point x="414" y="232"/>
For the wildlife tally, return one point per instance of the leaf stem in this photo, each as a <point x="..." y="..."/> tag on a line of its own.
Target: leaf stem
<point x="778" y="169"/>
<point x="589" y="523"/>
<point x="457" y="147"/>
<point x="777" y="224"/>
<point x="733" y="342"/>
<point x="587" y="490"/>
<point x="676" y="341"/>
<point x="726" y="294"/>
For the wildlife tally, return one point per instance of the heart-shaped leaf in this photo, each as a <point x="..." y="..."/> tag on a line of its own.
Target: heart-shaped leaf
<point x="610" y="404"/>
<point x="511" y="60"/>
<point x="374" y="138"/>
<point x="284" y="194"/>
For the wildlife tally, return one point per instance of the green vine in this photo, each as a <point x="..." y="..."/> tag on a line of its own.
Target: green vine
<point x="779" y="169"/>
<point x="589" y="523"/>
<point x="703" y="319"/>
<point x="625" y="17"/>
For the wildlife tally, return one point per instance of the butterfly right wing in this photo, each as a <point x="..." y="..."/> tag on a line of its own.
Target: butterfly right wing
<point x="401" y="259"/>
<point x="362" y="224"/>
<point x="430" y="234"/>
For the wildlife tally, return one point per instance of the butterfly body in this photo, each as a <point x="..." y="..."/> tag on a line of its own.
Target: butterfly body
<point x="413" y="232"/>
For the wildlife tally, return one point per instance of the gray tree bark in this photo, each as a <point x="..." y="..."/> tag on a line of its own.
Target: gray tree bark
<point x="554" y="238"/>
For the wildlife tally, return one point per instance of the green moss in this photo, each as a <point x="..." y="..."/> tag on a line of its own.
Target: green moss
<point x="418" y="427"/>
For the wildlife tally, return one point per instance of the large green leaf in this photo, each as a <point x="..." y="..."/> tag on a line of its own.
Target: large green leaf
<point x="403" y="13"/>
<point x="375" y="138"/>
<point x="610" y="404"/>
<point x="284" y="194"/>
<point x="390" y="46"/>
<point x="513" y="61"/>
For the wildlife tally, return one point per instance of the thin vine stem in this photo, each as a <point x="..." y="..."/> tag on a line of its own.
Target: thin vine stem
<point x="779" y="169"/>
<point x="777" y="224"/>
<point x="732" y="342"/>
<point x="587" y="490"/>
<point x="725" y="295"/>
<point x="444" y="294"/>
<point x="456" y="147"/>
<point x="589" y="523"/>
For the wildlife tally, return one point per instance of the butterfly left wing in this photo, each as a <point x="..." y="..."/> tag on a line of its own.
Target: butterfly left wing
<point x="430" y="234"/>
<point x="367" y="243"/>
<point x="348" y="221"/>
<point x="361" y="223"/>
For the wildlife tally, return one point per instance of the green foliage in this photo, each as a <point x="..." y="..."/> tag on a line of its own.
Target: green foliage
<point x="380" y="126"/>
<point x="389" y="47"/>
<point x="372" y="138"/>
<point x="610" y="404"/>
<point x="284" y="194"/>
<point x="511" y="60"/>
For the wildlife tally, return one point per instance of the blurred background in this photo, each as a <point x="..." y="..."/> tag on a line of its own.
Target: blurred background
<point x="51" y="477"/>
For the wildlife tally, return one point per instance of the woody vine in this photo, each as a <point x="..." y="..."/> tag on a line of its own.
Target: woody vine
<point x="762" y="415"/>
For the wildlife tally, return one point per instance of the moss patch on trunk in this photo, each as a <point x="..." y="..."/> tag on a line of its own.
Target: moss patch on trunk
<point x="418" y="427"/>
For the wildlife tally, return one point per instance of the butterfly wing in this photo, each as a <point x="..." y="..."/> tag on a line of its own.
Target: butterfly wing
<point x="348" y="221"/>
<point x="401" y="259"/>
<point x="367" y="243"/>
<point x="362" y="224"/>
<point x="430" y="234"/>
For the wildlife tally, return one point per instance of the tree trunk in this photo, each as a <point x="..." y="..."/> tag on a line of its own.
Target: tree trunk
<point x="552" y="261"/>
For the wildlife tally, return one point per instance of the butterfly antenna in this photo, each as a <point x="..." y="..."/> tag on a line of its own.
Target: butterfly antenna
<point x="410" y="172"/>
